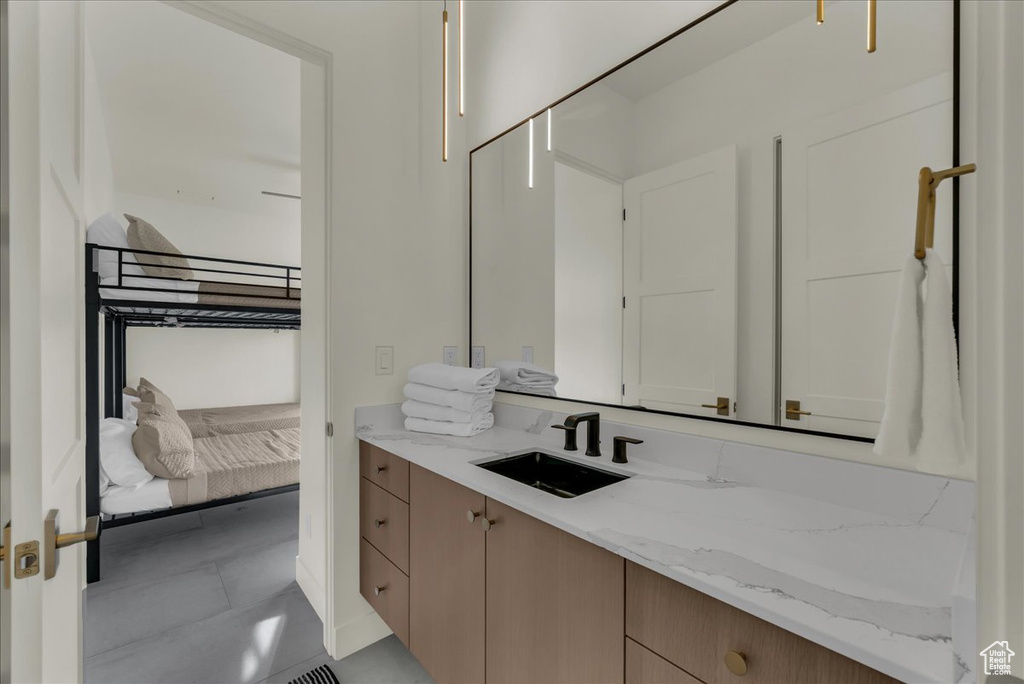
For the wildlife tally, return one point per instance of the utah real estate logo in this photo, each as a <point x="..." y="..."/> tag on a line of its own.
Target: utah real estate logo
<point x="997" y="658"/>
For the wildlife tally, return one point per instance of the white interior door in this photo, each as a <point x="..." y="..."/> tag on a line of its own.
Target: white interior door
<point x="849" y="188"/>
<point x="47" y="427"/>
<point x="679" y="277"/>
<point x="588" y="285"/>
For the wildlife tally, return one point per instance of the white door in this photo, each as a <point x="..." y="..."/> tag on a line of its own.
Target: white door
<point x="588" y="285"/>
<point x="849" y="189"/>
<point x="44" y="267"/>
<point x="679" y="278"/>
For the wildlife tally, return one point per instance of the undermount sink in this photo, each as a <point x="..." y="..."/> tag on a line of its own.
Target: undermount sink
<point x="551" y="474"/>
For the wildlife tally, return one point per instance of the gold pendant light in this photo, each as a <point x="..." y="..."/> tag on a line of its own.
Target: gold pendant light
<point x="872" y="23"/>
<point x="444" y="83"/>
<point x="462" y="89"/>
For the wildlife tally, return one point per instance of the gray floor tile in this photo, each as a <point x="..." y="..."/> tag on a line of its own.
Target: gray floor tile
<point x="120" y="616"/>
<point x="240" y="645"/>
<point x="258" y="574"/>
<point x="385" y="662"/>
<point x="139" y="531"/>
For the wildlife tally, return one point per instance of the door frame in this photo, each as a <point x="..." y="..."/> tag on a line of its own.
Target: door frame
<point x="324" y="60"/>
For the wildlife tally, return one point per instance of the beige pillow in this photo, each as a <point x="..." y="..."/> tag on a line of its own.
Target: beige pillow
<point x="142" y="235"/>
<point x="151" y="394"/>
<point x="163" y="442"/>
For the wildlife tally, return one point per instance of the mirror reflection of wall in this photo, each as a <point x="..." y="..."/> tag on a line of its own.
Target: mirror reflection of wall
<point x="768" y="171"/>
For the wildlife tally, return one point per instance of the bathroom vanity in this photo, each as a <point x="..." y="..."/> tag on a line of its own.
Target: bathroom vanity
<point x="668" y="575"/>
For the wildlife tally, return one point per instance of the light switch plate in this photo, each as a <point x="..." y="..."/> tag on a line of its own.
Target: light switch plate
<point x="528" y="354"/>
<point x="451" y="356"/>
<point x="477" y="357"/>
<point x="385" y="361"/>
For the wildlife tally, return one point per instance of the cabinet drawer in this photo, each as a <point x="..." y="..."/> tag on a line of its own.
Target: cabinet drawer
<point x="386" y="588"/>
<point x="695" y="631"/>
<point x="384" y="522"/>
<point x="384" y="469"/>
<point x="647" y="667"/>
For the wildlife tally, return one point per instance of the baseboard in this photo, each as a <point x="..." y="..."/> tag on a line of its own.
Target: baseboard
<point x="313" y="590"/>
<point x="357" y="634"/>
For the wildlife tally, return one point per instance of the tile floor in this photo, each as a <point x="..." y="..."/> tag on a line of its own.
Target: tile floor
<point x="211" y="597"/>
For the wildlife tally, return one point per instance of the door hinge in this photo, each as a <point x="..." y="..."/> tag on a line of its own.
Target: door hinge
<point x="623" y="389"/>
<point x="623" y="214"/>
<point x="330" y="429"/>
<point x="623" y="302"/>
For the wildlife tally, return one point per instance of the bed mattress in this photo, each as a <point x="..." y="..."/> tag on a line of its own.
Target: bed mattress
<point x="233" y="420"/>
<point x="199" y="292"/>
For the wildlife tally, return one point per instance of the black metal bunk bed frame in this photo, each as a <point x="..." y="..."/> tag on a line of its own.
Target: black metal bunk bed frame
<point x="120" y="314"/>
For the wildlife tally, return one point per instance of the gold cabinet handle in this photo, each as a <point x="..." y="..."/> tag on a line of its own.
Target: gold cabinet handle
<point x="53" y="540"/>
<point x="377" y="591"/>
<point x="378" y="523"/>
<point x="472" y="515"/>
<point x="736" y="661"/>
<point x="722" y="406"/>
<point x="488" y="524"/>
<point x="793" y="411"/>
<point x="381" y="469"/>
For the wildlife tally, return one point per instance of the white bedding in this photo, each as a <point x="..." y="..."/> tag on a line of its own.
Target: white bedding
<point x="186" y="290"/>
<point x="153" y="495"/>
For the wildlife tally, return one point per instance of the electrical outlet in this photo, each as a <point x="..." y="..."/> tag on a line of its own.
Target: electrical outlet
<point x="477" y="360"/>
<point x="528" y="354"/>
<point x="385" y="361"/>
<point x="451" y="356"/>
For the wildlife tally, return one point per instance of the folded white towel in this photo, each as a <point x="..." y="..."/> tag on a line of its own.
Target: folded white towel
<point x="539" y="390"/>
<point x="438" y="427"/>
<point x="523" y="373"/>
<point x="471" y="402"/>
<point x="455" y="377"/>
<point x="942" y="422"/>
<point x="901" y="423"/>
<point x="418" y="409"/>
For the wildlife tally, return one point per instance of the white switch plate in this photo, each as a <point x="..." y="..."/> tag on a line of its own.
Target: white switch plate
<point x="477" y="360"/>
<point x="528" y="354"/>
<point x="385" y="361"/>
<point x="451" y="356"/>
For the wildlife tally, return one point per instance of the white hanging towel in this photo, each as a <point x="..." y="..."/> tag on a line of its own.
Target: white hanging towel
<point x="923" y="418"/>
<point x="455" y="377"/>
<point x="901" y="423"/>
<point x="942" y="421"/>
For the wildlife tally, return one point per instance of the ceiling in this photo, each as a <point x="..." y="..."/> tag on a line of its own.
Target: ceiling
<point x="195" y="112"/>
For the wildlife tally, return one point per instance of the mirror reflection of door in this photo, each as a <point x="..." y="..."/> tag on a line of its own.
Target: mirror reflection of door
<point x="842" y="251"/>
<point x="680" y="286"/>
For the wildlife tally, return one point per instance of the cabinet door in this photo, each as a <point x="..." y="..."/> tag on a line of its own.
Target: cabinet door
<point x="446" y="569"/>
<point x="555" y="606"/>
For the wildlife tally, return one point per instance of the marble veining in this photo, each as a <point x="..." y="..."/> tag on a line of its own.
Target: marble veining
<point x="873" y="582"/>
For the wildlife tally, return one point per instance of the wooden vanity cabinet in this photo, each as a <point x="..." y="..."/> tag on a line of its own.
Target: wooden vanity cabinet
<point x="555" y="610"/>
<point x="694" y="632"/>
<point x="446" y="557"/>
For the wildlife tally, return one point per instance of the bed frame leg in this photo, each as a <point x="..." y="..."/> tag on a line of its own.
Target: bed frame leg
<point x="92" y="411"/>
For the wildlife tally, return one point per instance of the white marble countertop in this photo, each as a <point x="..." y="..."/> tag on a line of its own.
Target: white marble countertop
<point x="874" y="588"/>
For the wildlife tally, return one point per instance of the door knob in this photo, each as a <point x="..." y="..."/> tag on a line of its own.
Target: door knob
<point x="736" y="662"/>
<point x="722" y="407"/>
<point x="53" y="540"/>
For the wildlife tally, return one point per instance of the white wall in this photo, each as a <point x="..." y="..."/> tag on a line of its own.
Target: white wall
<point x="98" y="180"/>
<point x="199" y="367"/>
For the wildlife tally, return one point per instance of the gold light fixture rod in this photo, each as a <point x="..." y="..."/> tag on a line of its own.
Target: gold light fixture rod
<point x="927" y="182"/>
<point x="872" y="24"/>
<point x="444" y="84"/>
<point x="821" y="12"/>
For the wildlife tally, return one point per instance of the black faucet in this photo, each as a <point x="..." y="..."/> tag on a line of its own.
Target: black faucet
<point x="619" y="448"/>
<point x="593" y="421"/>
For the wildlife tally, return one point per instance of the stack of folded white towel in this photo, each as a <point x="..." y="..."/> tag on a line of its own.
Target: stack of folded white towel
<point x="526" y="378"/>
<point x="449" y="400"/>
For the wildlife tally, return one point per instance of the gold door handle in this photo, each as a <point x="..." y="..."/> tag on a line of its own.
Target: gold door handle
<point x="793" y="411"/>
<point x="722" y="406"/>
<point x="53" y="540"/>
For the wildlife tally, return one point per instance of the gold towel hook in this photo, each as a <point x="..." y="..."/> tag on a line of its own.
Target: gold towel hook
<point x="927" y="182"/>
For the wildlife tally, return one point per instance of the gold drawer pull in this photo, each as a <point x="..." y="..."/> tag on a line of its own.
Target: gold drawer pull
<point x="379" y="523"/>
<point x="736" y="662"/>
<point x="381" y="469"/>
<point x="488" y="524"/>
<point x="471" y="516"/>
<point x="377" y="591"/>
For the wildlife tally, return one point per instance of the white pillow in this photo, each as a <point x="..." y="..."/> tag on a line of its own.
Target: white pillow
<point x="104" y="480"/>
<point x="128" y="410"/>
<point x="108" y="231"/>
<point x="117" y="455"/>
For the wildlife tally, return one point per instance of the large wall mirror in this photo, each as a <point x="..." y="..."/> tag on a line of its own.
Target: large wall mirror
<point x="716" y="227"/>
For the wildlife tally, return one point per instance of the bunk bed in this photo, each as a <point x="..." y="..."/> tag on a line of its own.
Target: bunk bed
<point x="239" y="448"/>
